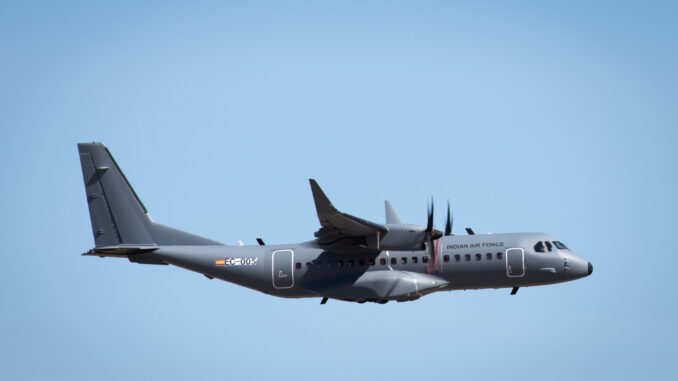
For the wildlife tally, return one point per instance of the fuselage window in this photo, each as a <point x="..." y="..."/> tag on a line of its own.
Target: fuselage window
<point x="350" y="263"/>
<point x="446" y="258"/>
<point x="382" y="261"/>
<point x="500" y="255"/>
<point x="539" y="247"/>
<point x="403" y="260"/>
<point x="548" y="245"/>
<point x="318" y="264"/>
<point x="361" y="262"/>
<point x="340" y="263"/>
<point x="371" y="261"/>
<point x="298" y="265"/>
<point x="394" y="261"/>
<point x="479" y="257"/>
<point x="488" y="256"/>
<point x="329" y="263"/>
<point x="309" y="265"/>
<point x="457" y="257"/>
<point x="468" y="257"/>
<point x="415" y="259"/>
<point x="560" y="245"/>
<point x="424" y="259"/>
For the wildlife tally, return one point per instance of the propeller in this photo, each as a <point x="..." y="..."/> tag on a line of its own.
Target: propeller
<point x="431" y="233"/>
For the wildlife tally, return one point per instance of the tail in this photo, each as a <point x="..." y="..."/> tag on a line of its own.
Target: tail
<point x="119" y="218"/>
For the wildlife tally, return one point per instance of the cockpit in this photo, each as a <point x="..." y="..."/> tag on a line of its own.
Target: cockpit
<point x="547" y="246"/>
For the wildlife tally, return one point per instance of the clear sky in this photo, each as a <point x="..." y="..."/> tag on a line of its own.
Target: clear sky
<point x="554" y="116"/>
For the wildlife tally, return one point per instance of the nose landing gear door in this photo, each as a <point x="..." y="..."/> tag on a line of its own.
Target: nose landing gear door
<point x="282" y="267"/>
<point x="515" y="263"/>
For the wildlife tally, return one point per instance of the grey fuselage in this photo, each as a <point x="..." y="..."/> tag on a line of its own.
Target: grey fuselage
<point x="348" y="260"/>
<point x="466" y="262"/>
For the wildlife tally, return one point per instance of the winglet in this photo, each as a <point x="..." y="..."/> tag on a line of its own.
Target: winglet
<point x="392" y="216"/>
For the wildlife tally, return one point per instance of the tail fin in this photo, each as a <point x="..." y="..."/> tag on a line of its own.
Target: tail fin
<point x="118" y="216"/>
<point x="392" y="216"/>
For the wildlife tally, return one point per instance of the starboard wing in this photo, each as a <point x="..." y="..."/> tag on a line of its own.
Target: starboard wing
<point x="342" y="229"/>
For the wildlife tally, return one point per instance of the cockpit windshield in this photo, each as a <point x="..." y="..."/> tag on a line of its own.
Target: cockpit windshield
<point x="547" y="246"/>
<point x="539" y="247"/>
<point x="560" y="245"/>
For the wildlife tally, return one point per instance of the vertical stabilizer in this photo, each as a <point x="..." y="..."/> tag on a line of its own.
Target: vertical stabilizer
<point x="117" y="214"/>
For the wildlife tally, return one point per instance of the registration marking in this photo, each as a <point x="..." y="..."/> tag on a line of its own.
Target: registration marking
<point x="247" y="261"/>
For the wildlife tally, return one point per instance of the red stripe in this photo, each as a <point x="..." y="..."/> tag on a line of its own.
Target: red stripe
<point x="437" y="241"/>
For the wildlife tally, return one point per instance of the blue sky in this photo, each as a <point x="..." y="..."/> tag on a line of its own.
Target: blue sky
<point x="557" y="117"/>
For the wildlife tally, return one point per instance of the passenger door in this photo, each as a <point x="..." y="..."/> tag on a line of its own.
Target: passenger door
<point x="283" y="269"/>
<point x="515" y="262"/>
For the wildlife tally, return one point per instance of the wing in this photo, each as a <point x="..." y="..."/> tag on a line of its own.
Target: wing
<point x="342" y="230"/>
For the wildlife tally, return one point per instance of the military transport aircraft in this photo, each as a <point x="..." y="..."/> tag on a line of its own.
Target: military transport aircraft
<point x="350" y="259"/>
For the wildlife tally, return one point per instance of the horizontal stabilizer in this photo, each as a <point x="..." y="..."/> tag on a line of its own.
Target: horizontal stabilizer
<point x="122" y="251"/>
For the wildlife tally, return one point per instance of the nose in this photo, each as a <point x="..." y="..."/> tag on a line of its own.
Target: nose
<point x="577" y="267"/>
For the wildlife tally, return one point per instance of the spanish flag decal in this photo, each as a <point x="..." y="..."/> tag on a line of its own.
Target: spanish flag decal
<point x="221" y="262"/>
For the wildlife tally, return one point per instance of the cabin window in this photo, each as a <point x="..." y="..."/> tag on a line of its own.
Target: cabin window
<point x="350" y="263"/>
<point x="329" y="263"/>
<point x="298" y="265"/>
<point x="479" y="257"/>
<point x="340" y="263"/>
<point x="488" y="256"/>
<point x="500" y="255"/>
<point x="382" y="261"/>
<point x="415" y="259"/>
<point x="361" y="262"/>
<point x="394" y="261"/>
<point x="318" y="264"/>
<point x="457" y="257"/>
<point x="424" y="259"/>
<point x="539" y="247"/>
<point x="548" y="245"/>
<point x="403" y="260"/>
<point x="468" y="257"/>
<point x="446" y="258"/>
<point x="371" y="261"/>
<point x="309" y="265"/>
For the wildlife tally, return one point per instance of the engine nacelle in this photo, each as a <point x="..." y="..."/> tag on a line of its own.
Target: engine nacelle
<point x="401" y="237"/>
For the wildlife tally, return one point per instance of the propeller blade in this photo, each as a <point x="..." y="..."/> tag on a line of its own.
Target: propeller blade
<point x="429" y="223"/>
<point x="448" y="225"/>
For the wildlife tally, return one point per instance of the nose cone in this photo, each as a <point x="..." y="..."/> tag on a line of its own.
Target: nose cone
<point x="577" y="267"/>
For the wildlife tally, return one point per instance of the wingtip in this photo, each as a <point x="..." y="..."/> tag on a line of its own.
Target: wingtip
<point x="315" y="187"/>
